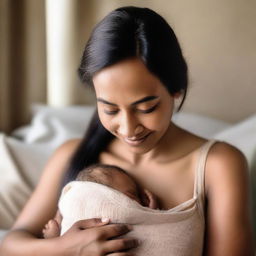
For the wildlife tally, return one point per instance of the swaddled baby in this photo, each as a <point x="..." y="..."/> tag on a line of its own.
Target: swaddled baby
<point x="108" y="175"/>
<point x="103" y="191"/>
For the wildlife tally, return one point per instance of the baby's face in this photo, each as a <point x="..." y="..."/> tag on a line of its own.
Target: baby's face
<point x="125" y="184"/>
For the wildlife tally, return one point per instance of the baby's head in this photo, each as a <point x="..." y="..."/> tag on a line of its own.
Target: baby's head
<point x="118" y="179"/>
<point x="111" y="176"/>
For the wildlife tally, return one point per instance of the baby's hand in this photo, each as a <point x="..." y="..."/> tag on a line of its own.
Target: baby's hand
<point x="51" y="229"/>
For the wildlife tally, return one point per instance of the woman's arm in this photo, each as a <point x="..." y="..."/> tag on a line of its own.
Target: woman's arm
<point x="228" y="220"/>
<point x="40" y="207"/>
<point x="25" y="236"/>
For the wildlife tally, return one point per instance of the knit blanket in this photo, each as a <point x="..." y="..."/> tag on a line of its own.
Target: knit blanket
<point x="161" y="232"/>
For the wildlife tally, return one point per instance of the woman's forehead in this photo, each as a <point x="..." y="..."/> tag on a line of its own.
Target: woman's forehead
<point x="129" y="77"/>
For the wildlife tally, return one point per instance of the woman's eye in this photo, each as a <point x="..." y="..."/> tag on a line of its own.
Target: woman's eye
<point x="148" y="110"/>
<point x="110" y="112"/>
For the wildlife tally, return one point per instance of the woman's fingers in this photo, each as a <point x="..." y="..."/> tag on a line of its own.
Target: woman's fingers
<point x="113" y="230"/>
<point x="102" y="239"/>
<point x="120" y="244"/>
<point x="109" y="231"/>
<point x="90" y="223"/>
<point x="108" y="243"/>
<point x="121" y="254"/>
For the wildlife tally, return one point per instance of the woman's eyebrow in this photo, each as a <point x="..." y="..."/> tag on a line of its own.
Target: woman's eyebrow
<point x="147" y="98"/>
<point x="105" y="102"/>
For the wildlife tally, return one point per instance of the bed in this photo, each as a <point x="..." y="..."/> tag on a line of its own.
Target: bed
<point x="25" y="152"/>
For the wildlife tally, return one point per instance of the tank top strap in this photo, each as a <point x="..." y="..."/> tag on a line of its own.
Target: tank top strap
<point x="199" y="186"/>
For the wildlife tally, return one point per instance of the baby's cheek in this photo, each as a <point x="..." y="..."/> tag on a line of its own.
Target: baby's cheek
<point x="133" y="197"/>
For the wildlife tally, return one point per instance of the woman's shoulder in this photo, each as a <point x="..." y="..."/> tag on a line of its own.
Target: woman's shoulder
<point x="62" y="155"/>
<point x="67" y="148"/>
<point x="228" y="204"/>
<point x="225" y="165"/>
<point x="223" y="153"/>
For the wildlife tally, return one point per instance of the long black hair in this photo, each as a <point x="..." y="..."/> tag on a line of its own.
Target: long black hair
<point x="125" y="33"/>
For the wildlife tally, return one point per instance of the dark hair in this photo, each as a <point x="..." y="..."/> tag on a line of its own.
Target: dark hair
<point x="91" y="173"/>
<point x="125" y="33"/>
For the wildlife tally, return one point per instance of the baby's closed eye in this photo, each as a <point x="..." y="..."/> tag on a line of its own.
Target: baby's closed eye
<point x="133" y="195"/>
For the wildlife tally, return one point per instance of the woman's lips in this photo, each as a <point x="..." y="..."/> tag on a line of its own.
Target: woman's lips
<point x="136" y="142"/>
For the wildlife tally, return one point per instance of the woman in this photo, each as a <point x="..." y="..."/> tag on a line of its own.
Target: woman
<point x="135" y="64"/>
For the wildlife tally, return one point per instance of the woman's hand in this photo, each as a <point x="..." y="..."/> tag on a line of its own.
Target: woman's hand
<point x="95" y="238"/>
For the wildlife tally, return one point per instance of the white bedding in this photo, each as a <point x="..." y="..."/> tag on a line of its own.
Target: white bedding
<point x="29" y="147"/>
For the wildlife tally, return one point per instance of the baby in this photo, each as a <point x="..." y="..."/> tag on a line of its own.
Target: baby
<point x="113" y="177"/>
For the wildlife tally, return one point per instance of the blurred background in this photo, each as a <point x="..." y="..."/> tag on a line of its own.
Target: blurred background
<point x="41" y="42"/>
<point x="43" y="103"/>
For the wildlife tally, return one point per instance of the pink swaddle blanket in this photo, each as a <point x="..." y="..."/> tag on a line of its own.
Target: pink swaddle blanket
<point x="161" y="232"/>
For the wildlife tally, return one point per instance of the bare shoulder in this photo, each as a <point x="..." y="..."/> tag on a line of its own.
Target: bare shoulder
<point x="60" y="158"/>
<point x="226" y="176"/>
<point x="228" y="223"/>
<point x="225" y="162"/>
<point x="68" y="147"/>
<point x="227" y="151"/>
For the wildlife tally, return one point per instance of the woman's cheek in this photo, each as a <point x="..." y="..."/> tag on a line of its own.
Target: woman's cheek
<point x="156" y="123"/>
<point x="159" y="120"/>
<point x="107" y="121"/>
<point x="103" y="119"/>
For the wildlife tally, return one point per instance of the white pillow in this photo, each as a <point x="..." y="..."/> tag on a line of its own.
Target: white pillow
<point x="242" y="136"/>
<point x="32" y="145"/>
<point x="199" y="124"/>
<point x="53" y="126"/>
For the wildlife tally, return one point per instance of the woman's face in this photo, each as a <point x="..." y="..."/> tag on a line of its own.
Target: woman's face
<point x="133" y="104"/>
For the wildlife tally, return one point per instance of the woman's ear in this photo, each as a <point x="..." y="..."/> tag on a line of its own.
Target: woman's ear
<point x="176" y="95"/>
<point x="177" y="98"/>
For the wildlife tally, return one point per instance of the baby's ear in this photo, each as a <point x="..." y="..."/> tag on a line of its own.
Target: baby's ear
<point x="144" y="198"/>
<point x="150" y="199"/>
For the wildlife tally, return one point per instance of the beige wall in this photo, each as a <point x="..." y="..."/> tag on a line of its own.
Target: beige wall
<point x="22" y="60"/>
<point x="219" y="42"/>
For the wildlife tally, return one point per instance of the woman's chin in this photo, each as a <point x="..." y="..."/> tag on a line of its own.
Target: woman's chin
<point x="141" y="147"/>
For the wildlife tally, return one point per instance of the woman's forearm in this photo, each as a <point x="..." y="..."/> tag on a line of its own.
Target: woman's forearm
<point x="22" y="243"/>
<point x="85" y="237"/>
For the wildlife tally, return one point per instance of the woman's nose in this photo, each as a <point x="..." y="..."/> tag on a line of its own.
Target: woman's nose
<point x="129" y="127"/>
<point x="126" y="129"/>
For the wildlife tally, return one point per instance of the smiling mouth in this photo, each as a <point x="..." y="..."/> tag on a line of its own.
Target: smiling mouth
<point x="136" y="142"/>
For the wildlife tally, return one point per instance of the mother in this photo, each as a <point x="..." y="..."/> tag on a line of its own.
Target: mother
<point x="134" y="62"/>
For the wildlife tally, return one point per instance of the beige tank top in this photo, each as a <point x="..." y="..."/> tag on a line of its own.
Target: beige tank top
<point x="178" y="231"/>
